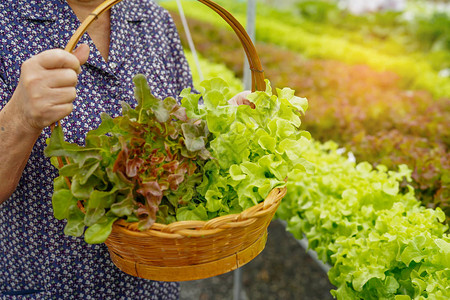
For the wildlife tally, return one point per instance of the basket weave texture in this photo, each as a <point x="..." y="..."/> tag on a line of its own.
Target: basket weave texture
<point x="191" y="250"/>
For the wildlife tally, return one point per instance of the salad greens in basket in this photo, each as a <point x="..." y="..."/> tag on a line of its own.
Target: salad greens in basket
<point x="164" y="162"/>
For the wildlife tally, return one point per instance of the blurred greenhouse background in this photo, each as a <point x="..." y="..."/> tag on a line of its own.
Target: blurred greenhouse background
<point x="377" y="77"/>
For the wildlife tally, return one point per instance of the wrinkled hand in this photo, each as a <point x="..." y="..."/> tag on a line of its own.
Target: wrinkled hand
<point x="46" y="87"/>
<point x="241" y="99"/>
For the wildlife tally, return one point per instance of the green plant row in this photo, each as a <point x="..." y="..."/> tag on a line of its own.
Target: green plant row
<point x="417" y="74"/>
<point x="426" y="37"/>
<point x="412" y="28"/>
<point x="318" y="17"/>
<point x="380" y="242"/>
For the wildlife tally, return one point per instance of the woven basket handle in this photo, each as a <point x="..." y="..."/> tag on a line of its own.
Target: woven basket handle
<point x="258" y="82"/>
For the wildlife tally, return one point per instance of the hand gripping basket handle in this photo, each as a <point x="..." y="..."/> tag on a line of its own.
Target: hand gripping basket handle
<point x="258" y="82"/>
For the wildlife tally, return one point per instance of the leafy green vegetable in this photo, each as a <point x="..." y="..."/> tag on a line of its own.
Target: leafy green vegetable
<point x="248" y="144"/>
<point x="163" y="162"/>
<point x="380" y="242"/>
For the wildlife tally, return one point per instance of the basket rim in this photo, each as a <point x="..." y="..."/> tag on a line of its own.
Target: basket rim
<point x="211" y="227"/>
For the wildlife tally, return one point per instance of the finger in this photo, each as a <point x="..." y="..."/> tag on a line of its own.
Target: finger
<point x="232" y="101"/>
<point x="55" y="113"/>
<point x="239" y="98"/>
<point x="62" y="95"/>
<point x="58" y="78"/>
<point x="249" y="103"/>
<point x="82" y="53"/>
<point x="49" y="111"/>
<point x="58" y="59"/>
<point x="244" y="94"/>
<point x="242" y="97"/>
<point x="62" y="110"/>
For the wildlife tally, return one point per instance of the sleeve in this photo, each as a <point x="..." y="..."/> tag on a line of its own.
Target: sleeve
<point x="181" y="72"/>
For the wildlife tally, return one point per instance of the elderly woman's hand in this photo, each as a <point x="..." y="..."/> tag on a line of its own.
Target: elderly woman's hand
<point x="46" y="87"/>
<point x="241" y="99"/>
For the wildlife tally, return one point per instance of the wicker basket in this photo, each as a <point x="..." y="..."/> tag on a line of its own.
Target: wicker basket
<point x="192" y="250"/>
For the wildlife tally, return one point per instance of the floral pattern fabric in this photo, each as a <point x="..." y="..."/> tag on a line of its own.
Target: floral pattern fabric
<point x="37" y="261"/>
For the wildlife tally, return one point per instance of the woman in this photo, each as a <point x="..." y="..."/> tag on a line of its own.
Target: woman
<point x="41" y="84"/>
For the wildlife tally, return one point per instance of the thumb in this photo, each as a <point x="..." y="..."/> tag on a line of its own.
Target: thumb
<point x="82" y="53"/>
<point x="240" y="98"/>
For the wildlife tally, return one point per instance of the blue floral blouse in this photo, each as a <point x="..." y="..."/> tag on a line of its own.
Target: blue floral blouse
<point x="37" y="261"/>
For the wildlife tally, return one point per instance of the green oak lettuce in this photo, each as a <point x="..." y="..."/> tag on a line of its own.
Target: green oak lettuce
<point x="254" y="149"/>
<point x="379" y="240"/>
